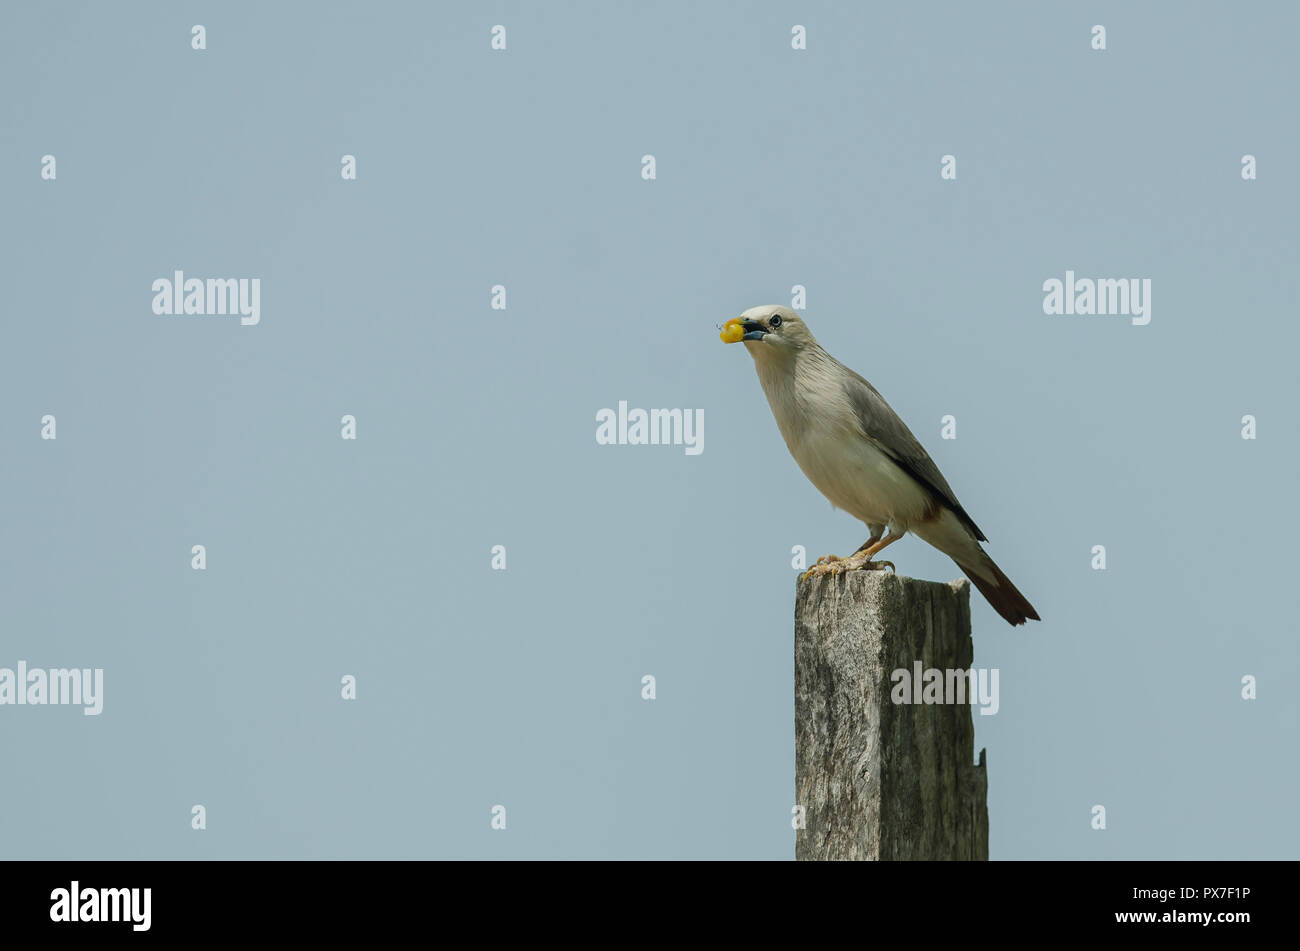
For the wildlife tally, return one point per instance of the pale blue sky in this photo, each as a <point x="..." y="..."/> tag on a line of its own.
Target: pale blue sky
<point x="476" y="427"/>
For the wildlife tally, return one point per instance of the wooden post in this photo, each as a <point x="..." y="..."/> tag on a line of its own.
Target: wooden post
<point x="879" y="779"/>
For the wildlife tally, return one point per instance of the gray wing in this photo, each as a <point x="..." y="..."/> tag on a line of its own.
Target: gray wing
<point x="882" y="426"/>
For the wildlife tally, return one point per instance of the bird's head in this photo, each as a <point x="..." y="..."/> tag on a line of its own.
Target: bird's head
<point x="770" y="332"/>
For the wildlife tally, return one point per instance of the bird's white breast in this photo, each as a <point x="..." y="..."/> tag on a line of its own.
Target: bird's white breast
<point x="821" y="431"/>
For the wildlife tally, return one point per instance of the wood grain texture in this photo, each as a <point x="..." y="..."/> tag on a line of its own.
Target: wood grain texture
<point x="880" y="780"/>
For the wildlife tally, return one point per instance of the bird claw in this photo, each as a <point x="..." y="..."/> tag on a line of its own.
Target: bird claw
<point x="834" y="565"/>
<point x="821" y="566"/>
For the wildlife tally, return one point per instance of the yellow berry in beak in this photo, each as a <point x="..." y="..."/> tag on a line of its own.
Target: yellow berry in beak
<point x="732" y="332"/>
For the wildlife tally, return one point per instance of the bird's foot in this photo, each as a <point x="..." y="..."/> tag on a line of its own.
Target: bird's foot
<point x="820" y="566"/>
<point x="834" y="565"/>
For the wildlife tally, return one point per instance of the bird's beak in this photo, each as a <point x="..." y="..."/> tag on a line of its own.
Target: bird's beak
<point x="736" y="330"/>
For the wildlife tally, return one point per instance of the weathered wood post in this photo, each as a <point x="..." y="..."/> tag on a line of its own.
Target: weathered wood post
<point x="878" y="779"/>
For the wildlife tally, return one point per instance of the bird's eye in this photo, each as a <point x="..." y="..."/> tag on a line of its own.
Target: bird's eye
<point x="775" y="321"/>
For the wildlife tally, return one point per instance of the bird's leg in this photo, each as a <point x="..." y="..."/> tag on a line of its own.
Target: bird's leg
<point x="862" y="557"/>
<point x="875" y="537"/>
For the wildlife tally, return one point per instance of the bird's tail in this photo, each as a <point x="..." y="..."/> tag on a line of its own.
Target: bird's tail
<point x="999" y="591"/>
<point x="951" y="536"/>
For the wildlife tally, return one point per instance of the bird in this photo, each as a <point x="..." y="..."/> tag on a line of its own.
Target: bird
<point x="860" y="454"/>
